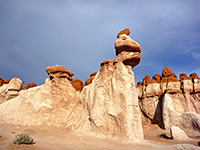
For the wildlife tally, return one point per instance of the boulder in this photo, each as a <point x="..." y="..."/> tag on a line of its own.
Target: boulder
<point x="178" y="134"/>
<point x="88" y="81"/>
<point x="1" y="82"/>
<point x="157" y="78"/>
<point x="93" y="74"/>
<point x="6" y="81"/>
<point x="166" y="72"/>
<point x="30" y="85"/>
<point x="125" y="31"/>
<point x="77" y="84"/>
<point x="57" y="71"/>
<point x="11" y="89"/>
<point x="147" y="80"/>
<point x="125" y="43"/>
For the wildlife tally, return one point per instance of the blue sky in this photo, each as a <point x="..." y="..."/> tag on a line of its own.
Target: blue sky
<point x="81" y="34"/>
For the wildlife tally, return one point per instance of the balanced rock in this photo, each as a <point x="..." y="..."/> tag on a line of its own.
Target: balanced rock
<point x="57" y="71"/>
<point x="30" y="85"/>
<point x="77" y="84"/>
<point x="125" y="43"/>
<point x="112" y="100"/>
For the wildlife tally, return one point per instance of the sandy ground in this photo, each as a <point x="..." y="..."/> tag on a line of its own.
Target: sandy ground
<point x="60" y="139"/>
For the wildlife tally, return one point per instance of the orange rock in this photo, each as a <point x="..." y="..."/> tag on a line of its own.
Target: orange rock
<point x="77" y="84"/>
<point x="1" y="81"/>
<point x="93" y="74"/>
<point x="30" y="85"/>
<point x="125" y="31"/>
<point x="194" y="76"/>
<point x="88" y="81"/>
<point x="139" y="84"/>
<point x="106" y="62"/>
<point x="157" y="78"/>
<point x="147" y="80"/>
<point x="183" y="76"/>
<point x="6" y="81"/>
<point x="166" y="72"/>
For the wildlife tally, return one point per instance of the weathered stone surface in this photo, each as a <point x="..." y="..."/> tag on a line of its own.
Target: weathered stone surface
<point x="112" y="102"/>
<point x="178" y="112"/>
<point x="196" y="85"/>
<point x="125" y="43"/>
<point x="11" y="89"/>
<point x="186" y="85"/>
<point x="6" y="81"/>
<point x="30" y="85"/>
<point x="106" y="62"/>
<point x="125" y="31"/>
<point x="152" y="89"/>
<point x="77" y="84"/>
<point x="178" y="134"/>
<point x="57" y="71"/>
<point x="54" y="103"/>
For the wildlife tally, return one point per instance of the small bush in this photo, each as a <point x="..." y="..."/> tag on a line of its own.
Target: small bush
<point x="163" y="135"/>
<point x="23" y="138"/>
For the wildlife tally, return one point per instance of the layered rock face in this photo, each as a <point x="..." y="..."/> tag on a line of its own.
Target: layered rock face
<point x="165" y="101"/>
<point x="11" y="89"/>
<point x="107" y="105"/>
<point x="111" y="98"/>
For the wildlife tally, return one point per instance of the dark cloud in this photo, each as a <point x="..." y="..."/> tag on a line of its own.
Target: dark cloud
<point x="79" y="35"/>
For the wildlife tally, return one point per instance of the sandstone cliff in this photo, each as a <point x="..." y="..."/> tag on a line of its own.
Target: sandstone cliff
<point x="168" y="101"/>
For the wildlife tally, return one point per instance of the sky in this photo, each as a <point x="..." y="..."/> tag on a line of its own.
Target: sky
<point x="79" y="35"/>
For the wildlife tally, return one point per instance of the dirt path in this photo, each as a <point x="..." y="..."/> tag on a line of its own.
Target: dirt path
<point x="60" y="139"/>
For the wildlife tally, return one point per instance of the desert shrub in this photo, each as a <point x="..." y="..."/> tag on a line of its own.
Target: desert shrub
<point x="23" y="138"/>
<point x="163" y="135"/>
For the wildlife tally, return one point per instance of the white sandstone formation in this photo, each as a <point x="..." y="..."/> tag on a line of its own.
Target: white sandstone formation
<point x="166" y="102"/>
<point x="11" y="90"/>
<point x="54" y="103"/>
<point x="178" y="134"/>
<point x="107" y="107"/>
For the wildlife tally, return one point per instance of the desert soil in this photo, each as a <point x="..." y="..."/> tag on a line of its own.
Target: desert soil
<point x="61" y="139"/>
